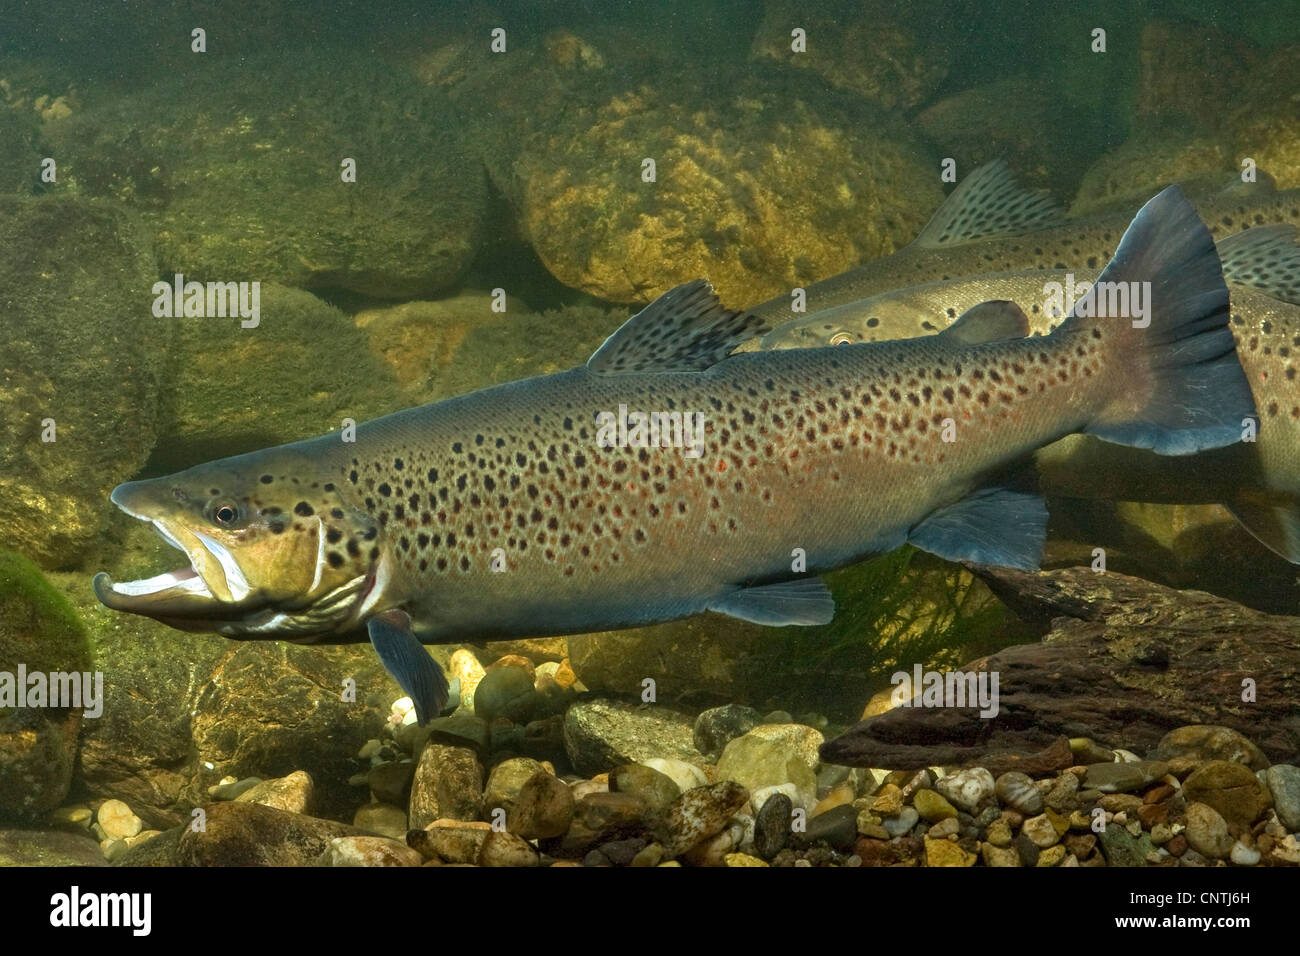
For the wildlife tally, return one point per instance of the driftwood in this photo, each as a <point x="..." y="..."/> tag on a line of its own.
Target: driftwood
<point x="1124" y="661"/>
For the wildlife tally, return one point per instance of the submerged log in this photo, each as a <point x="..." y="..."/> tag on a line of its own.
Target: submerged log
<point x="1123" y="661"/>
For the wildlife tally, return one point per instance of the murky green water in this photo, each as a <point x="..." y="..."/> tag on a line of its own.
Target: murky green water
<point x="382" y="208"/>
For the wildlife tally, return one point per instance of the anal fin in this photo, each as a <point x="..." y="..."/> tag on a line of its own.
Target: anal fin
<point x="405" y="658"/>
<point x="806" y="602"/>
<point x="995" y="526"/>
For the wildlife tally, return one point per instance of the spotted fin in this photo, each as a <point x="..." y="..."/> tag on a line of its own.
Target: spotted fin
<point x="805" y="601"/>
<point x="1266" y="258"/>
<point x="998" y="526"/>
<point x="988" y="202"/>
<point x="405" y="658"/>
<point x="990" y="321"/>
<point x="684" y="330"/>
<point x="1277" y="527"/>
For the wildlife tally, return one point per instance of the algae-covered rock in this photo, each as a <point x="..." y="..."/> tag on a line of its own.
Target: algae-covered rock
<point x="1133" y="172"/>
<point x="240" y="164"/>
<point x="141" y="749"/>
<point x="41" y="634"/>
<point x="301" y="371"/>
<point x="755" y="188"/>
<point x="1266" y="125"/>
<point x="249" y="834"/>
<point x="80" y="364"/>
<point x="270" y="708"/>
<point x="454" y="346"/>
<point x="48" y="848"/>
<point x="1003" y="120"/>
<point x="875" y="49"/>
<point x="1190" y="73"/>
<point x="600" y="734"/>
<point x="19" y="160"/>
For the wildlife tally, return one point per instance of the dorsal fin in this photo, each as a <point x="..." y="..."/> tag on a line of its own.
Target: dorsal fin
<point x="990" y="321"/>
<point x="1266" y="258"/>
<point x="988" y="202"/>
<point x="684" y="330"/>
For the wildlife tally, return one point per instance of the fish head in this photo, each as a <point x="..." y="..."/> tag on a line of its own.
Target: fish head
<point x="270" y="553"/>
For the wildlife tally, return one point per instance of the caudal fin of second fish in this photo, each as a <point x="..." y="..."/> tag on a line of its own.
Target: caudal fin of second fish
<point x="1155" y="328"/>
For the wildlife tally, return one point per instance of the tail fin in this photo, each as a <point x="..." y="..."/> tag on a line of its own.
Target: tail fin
<point x="1160" y="311"/>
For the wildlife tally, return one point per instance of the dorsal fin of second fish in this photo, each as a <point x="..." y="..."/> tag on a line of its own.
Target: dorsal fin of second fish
<point x="684" y="330"/>
<point x="988" y="202"/>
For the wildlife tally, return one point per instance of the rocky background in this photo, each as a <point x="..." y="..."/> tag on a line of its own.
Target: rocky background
<point x="523" y="171"/>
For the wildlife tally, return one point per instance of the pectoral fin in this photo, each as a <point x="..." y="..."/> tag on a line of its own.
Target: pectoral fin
<point x="805" y="601"/>
<point x="990" y="321"/>
<point x="1277" y="526"/>
<point x="995" y="526"/>
<point x="406" y="659"/>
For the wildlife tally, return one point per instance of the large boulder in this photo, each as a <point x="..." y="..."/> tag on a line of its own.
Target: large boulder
<point x="237" y="164"/>
<point x="41" y="634"/>
<point x="82" y="360"/>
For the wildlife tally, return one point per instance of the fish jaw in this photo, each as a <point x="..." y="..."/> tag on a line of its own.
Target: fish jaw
<point x="244" y="582"/>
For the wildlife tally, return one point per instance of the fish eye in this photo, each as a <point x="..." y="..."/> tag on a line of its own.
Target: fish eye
<point x="841" y="338"/>
<point x="225" y="514"/>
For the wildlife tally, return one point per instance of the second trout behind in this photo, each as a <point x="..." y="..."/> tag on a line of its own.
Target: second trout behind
<point x="540" y="507"/>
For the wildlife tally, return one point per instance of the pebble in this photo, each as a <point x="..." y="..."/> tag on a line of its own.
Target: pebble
<point x="508" y="692"/>
<point x="839" y="796"/>
<point x="773" y="754"/>
<point x="744" y="859"/>
<point x="1124" y="777"/>
<point x="506" y="780"/>
<point x="889" y="800"/>
<point x="772" y="825"/>
<point x="1051" y="856"/>
<point x="687" y="776"/>
<point x="967" y="789"/>
<point x="292" y="793"/>
<point x="699" y="814"/>
<point x="1283" y="782"/>
<point x="901" y="824"/>
<point x="999" y="855"/>
<point x="113" y="848"/>
<point x="655" y="788"/>
<point x="448" y="782"/>
<point x="1018" y="791"/>
<point x="933" y="807"/>
<point x="622" y="852"/>
<point x="1087" y="751"/>
<point x="651" y="855"/>
<point x="452" y="841"/>
<point x="501" y="848"/>
<point x="368" y="851"/>
<point x="1207" y="831"/>
<point x="117" y="820"/>
<point x="543" y="808"/>
<point x="999" y="833"/>
<point x="1122" y="848"/>
<point x="230" y="789"/>
<point x="381" y="819"/>
<point x="370" y="749"/>
<point x="718" y="726"/>
<point x="1230" y="788"/>
<point x="1205" y="742"/>
<point x="946" y="827"/>
<point x="838" y="827"/>
<point x="391" y="782"/>
<point x="76" y="817"/>
<point x="1041" y="830"/>
<point x="947" y="853"/>
<point x="1243" y="855"/>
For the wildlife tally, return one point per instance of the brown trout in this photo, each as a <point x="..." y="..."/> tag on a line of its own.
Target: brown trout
<point x="990" y="223"/>
<point x="1258" y="481"/>
<point x="543" y="506"/>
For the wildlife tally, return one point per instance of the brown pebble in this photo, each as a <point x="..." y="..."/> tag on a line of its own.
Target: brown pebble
<point x="1152" y="813"/>
<point x="1158" y="794"/>
<point x="1177" y="845"/>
